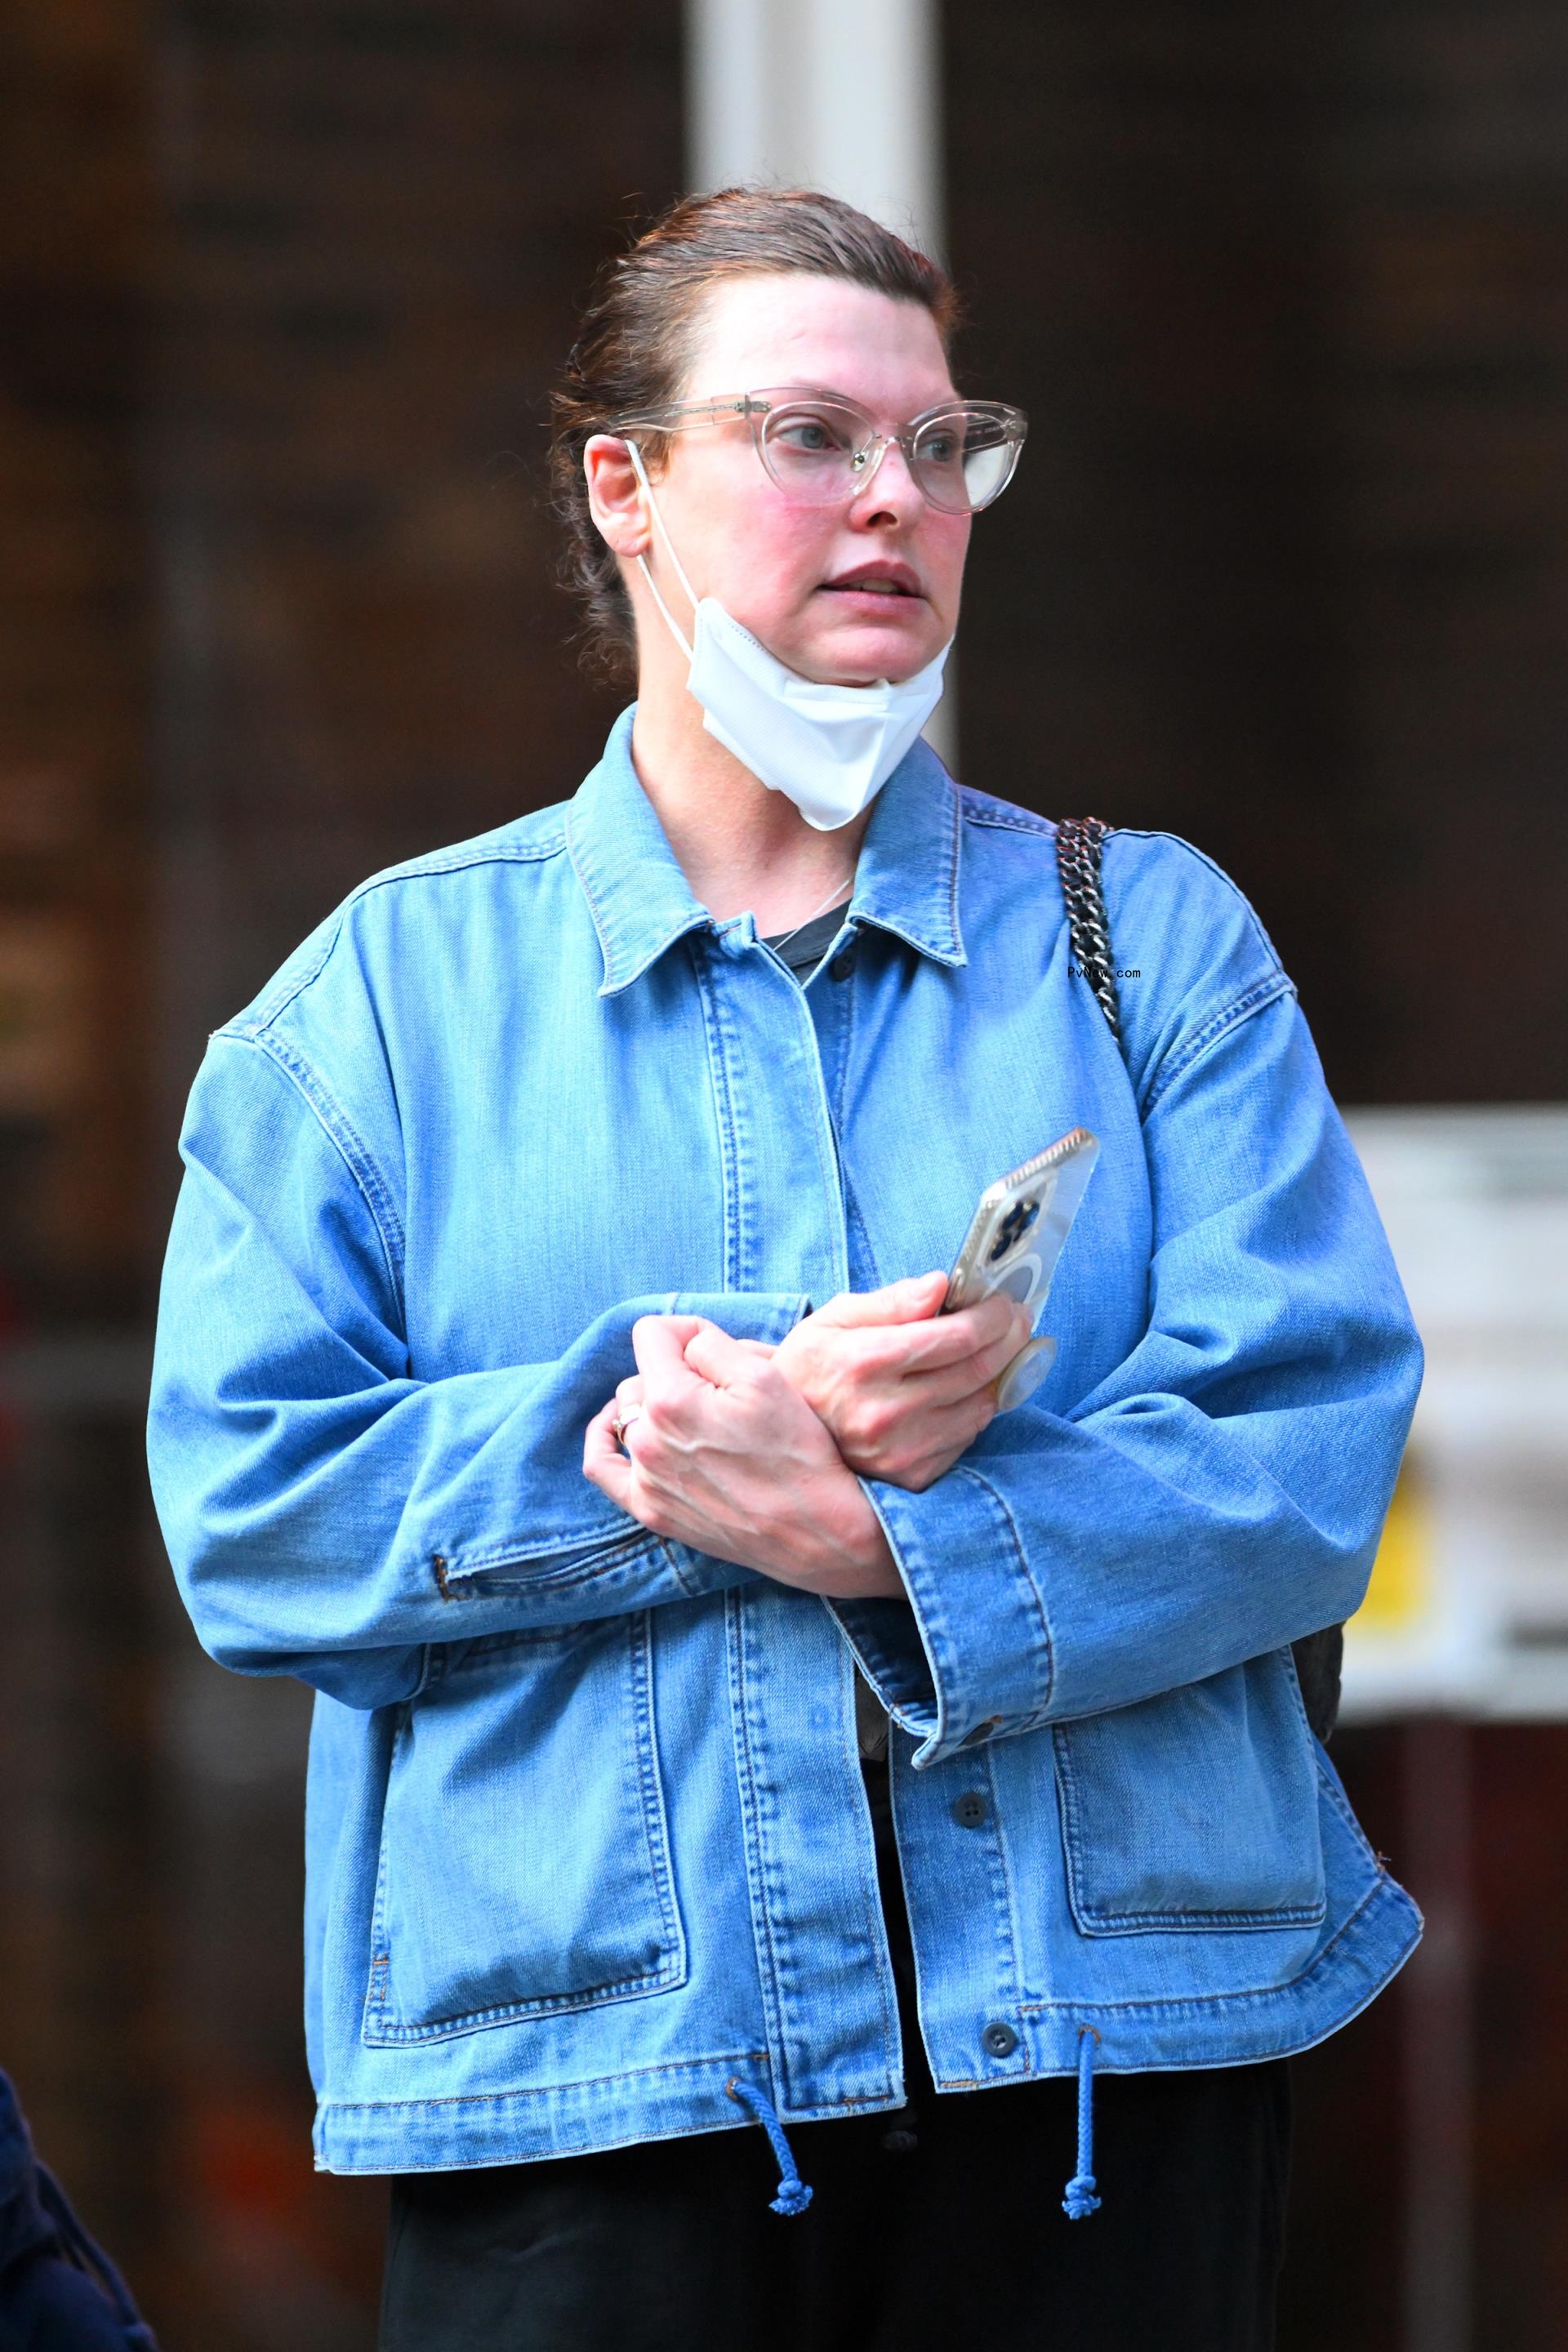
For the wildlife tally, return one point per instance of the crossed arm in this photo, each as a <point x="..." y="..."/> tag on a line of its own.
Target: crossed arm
<point x="753" y="1453"/>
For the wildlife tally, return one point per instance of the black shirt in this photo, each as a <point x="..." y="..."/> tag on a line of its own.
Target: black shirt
<point x="803" y="950"/>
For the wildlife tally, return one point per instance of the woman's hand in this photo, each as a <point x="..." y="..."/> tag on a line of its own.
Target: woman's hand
<point x="903" y="1389"/>
<point x="727" y="1455"/>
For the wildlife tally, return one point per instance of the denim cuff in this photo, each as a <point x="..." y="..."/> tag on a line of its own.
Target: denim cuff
<point x="969" y="1657"/>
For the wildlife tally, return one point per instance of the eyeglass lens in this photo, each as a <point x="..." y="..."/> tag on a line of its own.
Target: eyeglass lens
<point x="815" y="450"/>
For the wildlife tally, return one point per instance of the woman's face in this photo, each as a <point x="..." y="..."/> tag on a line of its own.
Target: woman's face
<point x="792" y="574"/>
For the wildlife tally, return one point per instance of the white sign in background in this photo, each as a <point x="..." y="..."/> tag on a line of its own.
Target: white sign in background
<point x="1469" y="1605"/>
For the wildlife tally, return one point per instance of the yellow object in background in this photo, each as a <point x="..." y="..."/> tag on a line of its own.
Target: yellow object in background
<point x="1401" y="1593"/>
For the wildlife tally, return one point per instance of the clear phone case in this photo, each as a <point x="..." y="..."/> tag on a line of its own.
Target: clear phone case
<point x="1013" y="1241"/>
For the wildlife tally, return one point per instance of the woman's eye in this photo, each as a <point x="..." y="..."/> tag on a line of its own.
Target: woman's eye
<point x="810" y="437"/>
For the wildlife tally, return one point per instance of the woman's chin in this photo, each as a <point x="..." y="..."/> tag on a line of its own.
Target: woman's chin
<point x="864" y="655"/>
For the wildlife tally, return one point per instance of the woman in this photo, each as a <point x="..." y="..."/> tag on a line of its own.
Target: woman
<point x="550" y="1372"/>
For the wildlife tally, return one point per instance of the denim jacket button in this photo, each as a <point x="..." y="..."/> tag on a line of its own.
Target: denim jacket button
<point x="970" y="1810"/>
<point x="999" y="2041"/>
<point x="981" y="1731"/>
<point x="843" y="964"/>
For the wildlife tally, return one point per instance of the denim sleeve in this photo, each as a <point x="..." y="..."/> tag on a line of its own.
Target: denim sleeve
<point x="327" y="1515"/>
<point x="1222" y="1492"/>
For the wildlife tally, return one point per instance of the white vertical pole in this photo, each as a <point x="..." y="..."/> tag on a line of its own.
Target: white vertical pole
<point x="843" y="95"/>
<point x="836" y="94"/>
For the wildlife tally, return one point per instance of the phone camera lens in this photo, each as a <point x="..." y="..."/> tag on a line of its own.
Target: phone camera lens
<point x="1011" y="1229"/>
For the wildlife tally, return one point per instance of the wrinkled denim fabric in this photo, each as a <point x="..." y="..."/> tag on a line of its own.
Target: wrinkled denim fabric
<point x="587" y="1835"/>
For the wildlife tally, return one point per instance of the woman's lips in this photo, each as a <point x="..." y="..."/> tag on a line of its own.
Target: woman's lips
<point x="860" y="593"/>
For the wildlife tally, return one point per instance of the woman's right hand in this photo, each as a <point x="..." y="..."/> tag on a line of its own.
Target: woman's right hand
<point x="902" y="1389"/>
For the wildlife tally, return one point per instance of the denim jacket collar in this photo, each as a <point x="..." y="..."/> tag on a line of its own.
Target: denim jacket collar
<point x="906" y="881"/>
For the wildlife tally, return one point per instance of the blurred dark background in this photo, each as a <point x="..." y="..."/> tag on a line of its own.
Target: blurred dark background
<point x="283" y="286"/>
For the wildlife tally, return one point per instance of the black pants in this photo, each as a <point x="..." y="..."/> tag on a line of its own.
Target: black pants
<point x="959" y="2238"/>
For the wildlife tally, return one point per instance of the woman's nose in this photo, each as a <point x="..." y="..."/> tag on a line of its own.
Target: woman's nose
<point x="887" y="484"/>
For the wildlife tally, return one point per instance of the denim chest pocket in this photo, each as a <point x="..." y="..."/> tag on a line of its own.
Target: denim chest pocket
<point x="1194" y="1810"/>
<point x="525" y="1864"/>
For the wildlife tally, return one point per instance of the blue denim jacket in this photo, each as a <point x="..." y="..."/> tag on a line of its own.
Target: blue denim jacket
<point x="587" y="1835"/>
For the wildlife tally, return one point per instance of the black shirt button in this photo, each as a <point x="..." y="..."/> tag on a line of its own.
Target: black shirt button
<point x="970" y="1810"/>
<point x="843" y="964"/>
<point x="999" y="2041"/>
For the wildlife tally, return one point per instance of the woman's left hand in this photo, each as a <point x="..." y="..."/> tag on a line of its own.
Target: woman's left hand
<point x="725" y="1455"/>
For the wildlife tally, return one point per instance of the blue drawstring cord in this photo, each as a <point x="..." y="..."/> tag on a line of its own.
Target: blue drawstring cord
<point x="793" y="2196"/>
<point x="1080" y="2199"/>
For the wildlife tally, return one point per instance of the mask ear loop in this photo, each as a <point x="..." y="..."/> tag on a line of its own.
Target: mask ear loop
<point x="671" y="621"/>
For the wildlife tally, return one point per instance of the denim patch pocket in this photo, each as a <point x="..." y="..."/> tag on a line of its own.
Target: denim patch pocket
<point x="525" y="1853"/>
<point x="1196" y="1809"/>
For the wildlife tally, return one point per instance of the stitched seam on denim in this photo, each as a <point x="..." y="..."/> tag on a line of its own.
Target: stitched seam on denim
<point x="724" y="1121"/>
<point x="550" y="2090"/>
<point x="1095" y="1919"/>
<point x="952" y="947"/>
<point x="380" y="1954"/>
<point x="1181" y="842"/>
<point x="966" y="1470"/>
<point x="1040" y="827"/>
<point x="867" y="1661"/>
<point x="768" y="1972"/>
<point x="442" y="862"/>
<point x="1191" y="2004"/>
<point x="368" y="1180"/>
<point x="846" y="1056"/>
<point x="1218" y="1025"/>
<point x="1331" y="1790"/>
<point x="484" y="1564"/>
<point x="610" y="944"/>
<point x="637" y="1631"/>
<point x="985" y="1762"/>
<point x="463" y="2022"/>
<point x="936" y="1738"/>
<point x="824" y="1135"/>
<point x="656" y="1822"/>
<point x="1380" y="1894"/>
<point x="954" y="854"/>
<point x="606" y="945"/>
<point x="689" y="1585"/>
<point x="1101" y="1925"/>
<point x="869" y="1887"/>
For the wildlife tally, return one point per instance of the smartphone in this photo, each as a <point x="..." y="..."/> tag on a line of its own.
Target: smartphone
<point x="1013" y="1240"/>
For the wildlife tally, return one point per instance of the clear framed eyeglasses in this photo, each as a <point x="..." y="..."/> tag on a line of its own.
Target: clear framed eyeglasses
<point x="822" y="448"/>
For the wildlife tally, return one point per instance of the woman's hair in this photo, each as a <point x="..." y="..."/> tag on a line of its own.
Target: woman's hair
<point x="637" y="345"/>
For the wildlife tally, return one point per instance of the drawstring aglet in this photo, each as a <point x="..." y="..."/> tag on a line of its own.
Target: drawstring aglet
<point x="794" y="2195"/>
<point x="1081" y="2200"/>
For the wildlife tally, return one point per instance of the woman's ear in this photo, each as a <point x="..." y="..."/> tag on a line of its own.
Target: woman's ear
<point x="614" y="496"/>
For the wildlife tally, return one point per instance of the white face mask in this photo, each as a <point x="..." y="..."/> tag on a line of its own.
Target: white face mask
<point x="829" y="749"/>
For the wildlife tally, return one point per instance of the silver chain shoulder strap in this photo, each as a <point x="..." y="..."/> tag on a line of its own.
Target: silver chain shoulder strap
<point x="1079" y="839"/>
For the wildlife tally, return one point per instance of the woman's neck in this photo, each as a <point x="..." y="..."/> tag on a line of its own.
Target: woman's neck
<point x="739" y="845"/>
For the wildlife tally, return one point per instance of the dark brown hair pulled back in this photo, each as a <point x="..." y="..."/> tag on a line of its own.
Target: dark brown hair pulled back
<point x="635" y="348"/>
